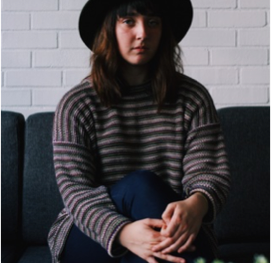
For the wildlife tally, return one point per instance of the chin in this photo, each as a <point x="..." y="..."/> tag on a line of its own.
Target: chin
<point x="141" y="62"/>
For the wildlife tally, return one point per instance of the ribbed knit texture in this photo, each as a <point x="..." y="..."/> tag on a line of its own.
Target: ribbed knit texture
<point x="95" y="146"/>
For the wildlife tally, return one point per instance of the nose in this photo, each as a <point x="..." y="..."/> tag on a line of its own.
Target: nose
<point x="142" y="31"/>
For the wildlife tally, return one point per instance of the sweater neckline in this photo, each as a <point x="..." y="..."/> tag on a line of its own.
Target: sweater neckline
<point x="130" y="89"/>
<point x="134" y="89"/>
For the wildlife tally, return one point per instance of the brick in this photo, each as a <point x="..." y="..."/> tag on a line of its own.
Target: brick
<point x="28" y="39"/>
<point x="236" y="18"/>
<point x="72" y="4"/>
<point x="244" y="95"/>
<point x="199" y="19"/>
<point x="47" y="97"/>
<point x="254" y="4"/>
<point x="213" y="76"/>
<point x="254" y="37"/>
<point x="255" y="75"/>
<point x="67" y="58"/>
<point x="214" y="4"/>
<point x="16" y="59"/>
<point x="33" y="78"/>
<point x="1" y="79"/>
<point x="55" y="20"/>
<point x="239" y="56"/>
<point x="209" y="38"/>
<point x="12" y="21"/>
<point x="15" y="97"/>
<point x="70" y="39"/>
<point x="74" y="77"/>
<point x="25" y="5"/>
<point x="195" y="56"/>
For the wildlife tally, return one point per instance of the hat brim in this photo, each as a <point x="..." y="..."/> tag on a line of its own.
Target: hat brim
<point x="180" y="15"/>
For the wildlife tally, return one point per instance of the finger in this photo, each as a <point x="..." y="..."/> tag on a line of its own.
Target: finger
<point x="151" y="260"/>
<point x="153" y="237"/>
<point x="155" y="241"/>
<point x="154" y="223"/>
<point x="166" y="216"/>
<point x="176" y="245"/>
<point x="175" y="226"/>
<point x="164" y="244"/>
<point x="192" y="248"/>
<point x="169" y="258"/>
<point x="187" y="245"/>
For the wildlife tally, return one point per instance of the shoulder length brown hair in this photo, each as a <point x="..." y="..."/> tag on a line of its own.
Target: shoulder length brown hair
<point x="105" y="59"/>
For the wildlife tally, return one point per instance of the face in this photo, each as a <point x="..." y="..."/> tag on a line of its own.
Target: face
<point x="138" y="37"/>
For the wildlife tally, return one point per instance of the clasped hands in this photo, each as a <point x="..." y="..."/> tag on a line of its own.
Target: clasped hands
<point x="175" y="231"/>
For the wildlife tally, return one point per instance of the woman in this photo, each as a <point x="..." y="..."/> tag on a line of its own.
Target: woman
<point x="139" y="156"/>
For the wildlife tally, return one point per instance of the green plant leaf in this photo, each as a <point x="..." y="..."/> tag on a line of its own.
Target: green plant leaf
<point x="260" y="259"/>
<point x="200" y="260"/>
<point x="257" y="259"/>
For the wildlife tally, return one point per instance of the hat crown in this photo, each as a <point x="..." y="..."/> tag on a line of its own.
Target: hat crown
<point x="178" y="12"/>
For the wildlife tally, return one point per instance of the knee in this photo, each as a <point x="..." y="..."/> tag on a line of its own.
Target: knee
<point x="142" y="177"/>
<point x="140" y="181"/>
<point x="143" y="180"/>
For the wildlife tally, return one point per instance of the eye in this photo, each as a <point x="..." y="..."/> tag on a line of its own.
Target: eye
<point x="153" y="22"/>
<point x="128" y="21"/>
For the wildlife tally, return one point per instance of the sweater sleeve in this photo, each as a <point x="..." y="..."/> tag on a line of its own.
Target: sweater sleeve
<point x="205" y="163"/>
<point x="87" y="203"/>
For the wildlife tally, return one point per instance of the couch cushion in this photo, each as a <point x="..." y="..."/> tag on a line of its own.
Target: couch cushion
<point x="12" y="136"/>
<point x="243" y="252"/>
<point x="36" y="254"/>
<point x="41" y="198"/>
<point x="245" y="218"/>
<point x="10" y="253"/>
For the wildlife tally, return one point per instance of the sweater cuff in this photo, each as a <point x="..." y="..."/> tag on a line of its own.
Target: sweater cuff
<point x="210" y="215"/>
<point x="114" y="248"/>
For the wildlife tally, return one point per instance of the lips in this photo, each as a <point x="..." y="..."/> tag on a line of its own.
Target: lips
<point x="140" y="48"/>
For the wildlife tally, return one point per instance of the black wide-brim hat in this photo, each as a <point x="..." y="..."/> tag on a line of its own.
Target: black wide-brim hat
<point x="179" y="14"/>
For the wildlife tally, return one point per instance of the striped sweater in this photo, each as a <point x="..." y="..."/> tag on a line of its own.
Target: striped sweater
<point x="95" y="146"/>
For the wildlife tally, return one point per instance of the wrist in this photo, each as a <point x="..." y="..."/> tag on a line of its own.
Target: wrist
<point x="122" y="234"/>
<point x="201" y="202"/>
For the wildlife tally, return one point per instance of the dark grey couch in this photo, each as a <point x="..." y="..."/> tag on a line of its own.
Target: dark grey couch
<point x="31" y="201"/>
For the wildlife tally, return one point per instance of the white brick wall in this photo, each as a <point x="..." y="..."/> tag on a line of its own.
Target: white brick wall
<point x="227" y="50"/>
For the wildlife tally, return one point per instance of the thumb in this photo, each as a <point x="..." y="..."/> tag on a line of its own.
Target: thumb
<point x="154" y="223"/>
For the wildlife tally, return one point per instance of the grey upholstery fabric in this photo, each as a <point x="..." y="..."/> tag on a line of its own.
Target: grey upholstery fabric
<point x="243" y="252"/>
<point x="12" y="137"/>
<point x="247" y="135"/>
<point x="10" y="253"/>
<point x="36" y="254"/>
<point x="41" y="198"/>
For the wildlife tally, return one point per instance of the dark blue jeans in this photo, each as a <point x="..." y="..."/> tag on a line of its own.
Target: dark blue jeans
<point x="141" y="194"/>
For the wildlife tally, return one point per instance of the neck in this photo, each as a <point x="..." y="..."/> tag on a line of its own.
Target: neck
<point x="135" y="75"/>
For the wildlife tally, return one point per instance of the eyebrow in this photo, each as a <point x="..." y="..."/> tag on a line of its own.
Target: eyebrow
<point x="133" y="13"/>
